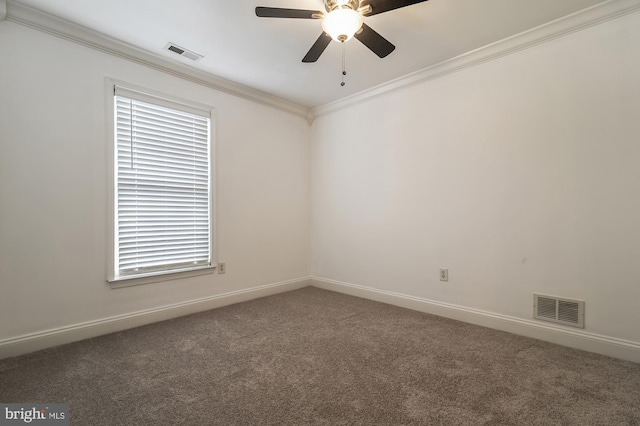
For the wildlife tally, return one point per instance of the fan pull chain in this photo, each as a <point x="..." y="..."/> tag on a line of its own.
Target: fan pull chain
<point x="344" y="72"/>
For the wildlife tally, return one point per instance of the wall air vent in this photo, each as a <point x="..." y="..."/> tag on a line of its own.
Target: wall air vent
<point x="560" y="310"/>
<point x="172" y="47"/>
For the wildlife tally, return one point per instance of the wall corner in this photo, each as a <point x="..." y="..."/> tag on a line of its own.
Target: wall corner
<point x="310" y="116"/>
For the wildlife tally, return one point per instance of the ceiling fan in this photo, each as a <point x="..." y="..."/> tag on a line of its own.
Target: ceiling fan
<point x="342" y="21"/>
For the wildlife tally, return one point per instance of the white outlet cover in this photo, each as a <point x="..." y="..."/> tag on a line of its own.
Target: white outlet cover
<point x="444" y="274"/>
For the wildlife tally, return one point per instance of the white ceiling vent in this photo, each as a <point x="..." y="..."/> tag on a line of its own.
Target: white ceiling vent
<point x="172" y="47"/>
<point x="555" y="309"/>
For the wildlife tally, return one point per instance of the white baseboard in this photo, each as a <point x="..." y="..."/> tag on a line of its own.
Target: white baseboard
<point x="49" y="338"/>
<point x="578" y="339"/>
<point x="561" y="335"/>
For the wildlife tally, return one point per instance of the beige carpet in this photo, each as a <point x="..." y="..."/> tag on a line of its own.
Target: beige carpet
<point x="316" y="357"/>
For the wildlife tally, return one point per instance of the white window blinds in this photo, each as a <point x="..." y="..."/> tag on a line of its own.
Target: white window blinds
<point x="163" y="185"/>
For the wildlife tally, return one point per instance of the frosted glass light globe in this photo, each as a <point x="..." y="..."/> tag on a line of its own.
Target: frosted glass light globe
<point x="341" y="24"/>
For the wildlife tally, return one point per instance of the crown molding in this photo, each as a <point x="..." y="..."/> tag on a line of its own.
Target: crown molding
<point x="569" y="24"/>
<point x="53" y="25"/>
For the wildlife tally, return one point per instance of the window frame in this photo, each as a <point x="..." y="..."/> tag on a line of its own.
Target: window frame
<point x="146" y="94"/>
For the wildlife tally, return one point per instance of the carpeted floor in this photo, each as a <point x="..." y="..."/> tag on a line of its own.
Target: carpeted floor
<point x="316" y="357"/>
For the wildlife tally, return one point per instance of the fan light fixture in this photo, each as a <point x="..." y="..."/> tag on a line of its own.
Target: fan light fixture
<point x="342" y="23"/>
<point x="342" y="20"/>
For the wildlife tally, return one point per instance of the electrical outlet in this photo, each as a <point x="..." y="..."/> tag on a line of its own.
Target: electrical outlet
<point x="221" y="268"/>
<point x="444" y="274"/>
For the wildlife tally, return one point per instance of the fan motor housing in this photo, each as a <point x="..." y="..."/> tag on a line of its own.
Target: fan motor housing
<point x="334" y="4"/>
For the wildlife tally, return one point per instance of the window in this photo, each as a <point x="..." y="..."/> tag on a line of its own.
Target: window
<point x="162" y="186"/>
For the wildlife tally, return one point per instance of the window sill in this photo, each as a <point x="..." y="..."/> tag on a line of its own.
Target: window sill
<point x="155" y="277"/>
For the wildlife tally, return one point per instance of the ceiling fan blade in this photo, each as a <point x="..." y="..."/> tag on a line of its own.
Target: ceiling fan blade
<point x="381" y="6"/>
<point x="276" y="12"/>
<point x="374" y="41"/>
<point x="318" y="47"/>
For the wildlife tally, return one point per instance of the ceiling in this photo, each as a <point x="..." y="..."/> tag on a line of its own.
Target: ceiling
<point x="266" y="54"/>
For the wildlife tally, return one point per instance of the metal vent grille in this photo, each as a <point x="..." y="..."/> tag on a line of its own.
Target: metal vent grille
<point x="176" y="49"/>
<point x="546" y="307"/>
<point x="191" y="55"/>
<point x="183" y="52"/>
<point x="560" y="310"/>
